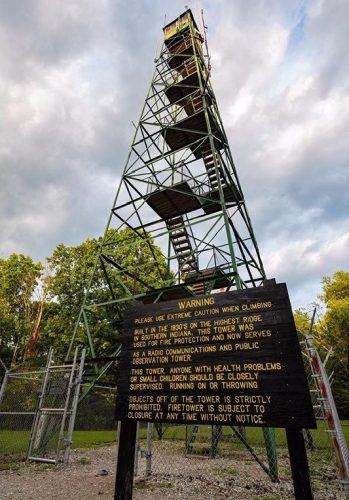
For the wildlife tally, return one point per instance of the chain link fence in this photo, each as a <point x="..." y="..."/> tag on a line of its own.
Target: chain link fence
<point x="220" y="454"/>
<point x="18" y="405"/>
<point x="96" y="411"/>
<point x="36" y="409"/>
<point x="172" y="453"/>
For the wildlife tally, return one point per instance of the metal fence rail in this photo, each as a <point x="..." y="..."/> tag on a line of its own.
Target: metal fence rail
<point x="37" y="411"/>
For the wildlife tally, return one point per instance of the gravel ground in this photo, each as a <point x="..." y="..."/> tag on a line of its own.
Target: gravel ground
<point x="92" y="475"/>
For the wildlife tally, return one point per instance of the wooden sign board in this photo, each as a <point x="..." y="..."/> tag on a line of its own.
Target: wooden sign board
<point x="229" y="358"/>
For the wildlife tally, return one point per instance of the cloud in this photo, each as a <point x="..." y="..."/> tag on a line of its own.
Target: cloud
<point x="74" y="77"/>
<point x="312" y="256"/>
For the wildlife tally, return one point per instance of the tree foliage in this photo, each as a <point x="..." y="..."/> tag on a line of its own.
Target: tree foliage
<point x="334" y="334"/>
<point x="73" y="268"/>
<point x="330" y="334"/>
<point x="66" y="281"/>
<point x="70" y="269"/>
<point x="302" y="318"/>
<point x="336" y="319"/>
<point x="19" y="278"/>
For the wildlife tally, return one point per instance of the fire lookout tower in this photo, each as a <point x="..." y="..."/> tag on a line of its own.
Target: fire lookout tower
<point x="179" y="191"/>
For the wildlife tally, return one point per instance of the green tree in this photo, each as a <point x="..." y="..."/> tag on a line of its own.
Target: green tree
<point x="334" y="334"/>
<point x="71" y="269"/>
<point x="302" y="318"/>
<point x="330" y="334"/>
<point x="336" y="319"/>
<point x="19" y="278"/>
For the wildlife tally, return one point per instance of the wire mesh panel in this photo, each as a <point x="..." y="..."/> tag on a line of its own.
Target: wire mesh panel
<point x="228" y="464"/>
<point x="20" y="392"/>
<point x="96" y="412"/>
<point x="37" y="410"/>
<point x="55" y="404"/>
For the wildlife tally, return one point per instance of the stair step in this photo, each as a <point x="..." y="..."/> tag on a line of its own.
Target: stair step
<point x="188" y="269"/>
<point x="185" y="243"/>
<point x="180" y="234"/>
<point x="183" y="250"/>
<point x="206" y="152"/>
<point x="189" y="261"/>
<point x="174" y="222"/>
<point x="186" y="252"/>
<point x="180" y="241"/>
<point x="199" y="288"/>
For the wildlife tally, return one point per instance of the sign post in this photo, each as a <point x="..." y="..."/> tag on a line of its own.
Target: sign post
<point x="299" y="464"/>
<point x="125" y="462"/>
<point x="231" y="358"/>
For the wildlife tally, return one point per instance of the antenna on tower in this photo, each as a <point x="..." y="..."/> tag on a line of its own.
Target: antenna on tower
<point x="205" y="28"/>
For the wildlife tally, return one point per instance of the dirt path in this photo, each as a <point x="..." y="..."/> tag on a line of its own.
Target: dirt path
<point x="92" y="475"/>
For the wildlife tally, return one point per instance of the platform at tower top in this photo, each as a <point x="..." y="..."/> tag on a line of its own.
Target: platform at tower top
<point x="179" y="24"/>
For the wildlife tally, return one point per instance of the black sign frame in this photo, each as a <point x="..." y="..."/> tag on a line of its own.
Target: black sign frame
<point x="183" y="361"/>
<point x="288" y="351"/>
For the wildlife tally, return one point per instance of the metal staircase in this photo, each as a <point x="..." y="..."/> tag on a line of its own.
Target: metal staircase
<point x="181" y="244"/>
<point x="179" y="194"/>
<point x="210" y="165"/>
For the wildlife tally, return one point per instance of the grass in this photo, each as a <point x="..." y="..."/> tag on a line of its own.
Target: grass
<point x="254" y="435"/>
<point x="9" y="466"/>
<point x="16" y="442"/>
<point x="231" y="471"/>
<point x="93" y="439"/>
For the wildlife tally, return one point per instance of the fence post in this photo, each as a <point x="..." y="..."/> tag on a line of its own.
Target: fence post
<point x="74" y="406"/>
<point x="3" y="385"/>
<point x="149" y="448"/>
<point x="42" y="394"/>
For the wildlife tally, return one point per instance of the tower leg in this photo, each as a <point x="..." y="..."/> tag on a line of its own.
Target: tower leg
<point x="270" y="446"/>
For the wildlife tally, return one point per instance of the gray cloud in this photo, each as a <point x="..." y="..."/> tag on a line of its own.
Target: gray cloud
<point x="75" y="74"/>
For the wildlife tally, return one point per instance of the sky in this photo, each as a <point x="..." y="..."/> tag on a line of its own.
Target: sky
<point x="74" y="76"/>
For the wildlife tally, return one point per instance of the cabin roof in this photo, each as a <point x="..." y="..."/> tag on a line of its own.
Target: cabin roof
<point x="181" y="15"/>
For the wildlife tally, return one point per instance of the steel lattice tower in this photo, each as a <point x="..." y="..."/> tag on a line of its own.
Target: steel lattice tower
<point x="179" y="191"/>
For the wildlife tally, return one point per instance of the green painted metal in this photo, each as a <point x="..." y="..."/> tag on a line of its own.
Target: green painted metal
<point x="270" y="446"/>
<point x="179" y="190"/>
<point x="219" y="224"/>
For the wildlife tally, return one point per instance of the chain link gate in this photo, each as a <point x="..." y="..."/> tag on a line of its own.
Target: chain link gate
<point x="38" y="408"/>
